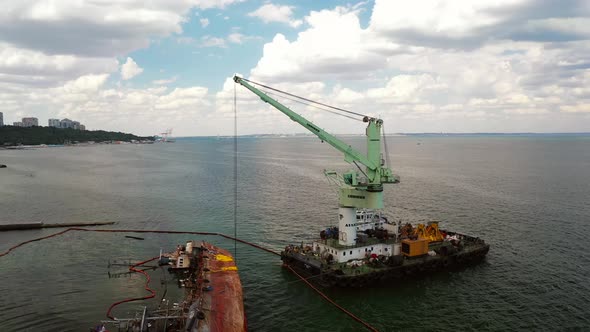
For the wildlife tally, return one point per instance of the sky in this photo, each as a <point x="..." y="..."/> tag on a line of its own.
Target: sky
<point x="422" y="65"/>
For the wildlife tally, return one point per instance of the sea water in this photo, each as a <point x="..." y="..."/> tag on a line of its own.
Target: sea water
<point x="525" y="196"/>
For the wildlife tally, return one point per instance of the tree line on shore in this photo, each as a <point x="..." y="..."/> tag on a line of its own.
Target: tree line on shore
<point x="10" y="135"/>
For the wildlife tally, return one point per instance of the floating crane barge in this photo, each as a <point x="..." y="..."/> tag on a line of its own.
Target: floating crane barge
<point x="381" y="259"/>
<point x="365" y="247"/>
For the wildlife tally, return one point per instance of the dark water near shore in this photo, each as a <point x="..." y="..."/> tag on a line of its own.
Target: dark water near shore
<point x="526" y="196"/>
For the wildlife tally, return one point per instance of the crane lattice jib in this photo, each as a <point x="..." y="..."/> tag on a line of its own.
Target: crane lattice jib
<point x="375" y="171"/>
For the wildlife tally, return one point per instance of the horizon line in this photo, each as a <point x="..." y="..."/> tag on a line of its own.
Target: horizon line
<point x="402" y="133"/>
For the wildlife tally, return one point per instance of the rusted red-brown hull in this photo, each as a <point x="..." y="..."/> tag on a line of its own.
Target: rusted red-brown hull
<point x="223" y="301"/>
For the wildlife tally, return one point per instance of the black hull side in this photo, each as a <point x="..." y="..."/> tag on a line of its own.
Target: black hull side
<point x="330" y="276"/>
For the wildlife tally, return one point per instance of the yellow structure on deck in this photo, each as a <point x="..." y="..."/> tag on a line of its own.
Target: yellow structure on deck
<point x="430" y="232"/>
<point x="415" y="248"/>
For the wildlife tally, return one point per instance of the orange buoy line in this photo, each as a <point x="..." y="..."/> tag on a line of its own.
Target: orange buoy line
<point x="132" y="268"/>
<point x="350" y="314"/>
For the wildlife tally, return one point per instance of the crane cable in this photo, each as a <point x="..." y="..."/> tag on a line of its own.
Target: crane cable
<point x="385" y="146"/>
<point x="235" y="172"/>
<point x="312" y="105"/>
<point x="351" y="315"/>
<point x="306" y="99"/>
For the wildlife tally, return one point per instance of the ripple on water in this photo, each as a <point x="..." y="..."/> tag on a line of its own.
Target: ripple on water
<point x="524" y="196"/>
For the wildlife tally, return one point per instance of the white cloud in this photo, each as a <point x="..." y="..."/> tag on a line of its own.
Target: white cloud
<point x="165" y="81"/>
<point x="457" y="18"/>
<point x="89" y="28"/>
<point x="346" y="96"/>
<point x="204" y="22"/>
<point x="85" y="84"/>
<point x="28" y="67"/>
<point x="233" y="38"/>
<point x="89" y="100"/>
<point x="236" y="38"/>
<point x="180" y="98"/>
<point x="210" y="41"/>
<point x="575" y="27"/>
<point x="486" y="78"/>
<point x="276" y="13"/>
<point x="185" y="40"/>
<point x="208" y="4"/>
<point x="49" y="42"/>
<point x="469" y="24"/>
<point x="334" y="44"/>
<point x="130" y="69"/>
<point x="576" y="108"/>
<point x="406" y="89"/>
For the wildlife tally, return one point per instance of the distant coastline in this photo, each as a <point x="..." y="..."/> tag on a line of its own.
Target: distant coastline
<point x="496" y="134"/>
<point x="11" y="136"/>
<point x="305" y="135"/>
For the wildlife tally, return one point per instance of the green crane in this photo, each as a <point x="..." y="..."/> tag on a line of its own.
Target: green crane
<point x="356" y="190"/>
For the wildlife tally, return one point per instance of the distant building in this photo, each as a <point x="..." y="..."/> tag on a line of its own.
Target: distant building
<point x="17" y="124"/>
<point x="1" y="119"/>
<point x="54" y="123"/>
<point x="30" y="122"/>
<point x="66" y="123"/>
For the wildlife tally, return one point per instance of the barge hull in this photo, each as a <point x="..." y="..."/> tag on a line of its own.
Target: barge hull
<point x="332" y="275"/>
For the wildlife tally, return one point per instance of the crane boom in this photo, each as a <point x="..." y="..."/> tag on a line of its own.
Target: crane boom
<point x="350" y="154"/>
<point x="356" y="192"/>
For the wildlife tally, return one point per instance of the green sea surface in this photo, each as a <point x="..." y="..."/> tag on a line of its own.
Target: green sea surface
<point x="526" y="196"/>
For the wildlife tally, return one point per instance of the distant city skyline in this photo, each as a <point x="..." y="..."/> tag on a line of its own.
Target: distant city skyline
<point x="56" y="123"/>
<point x="421" y="66"/>
<point x="65" y="123"/>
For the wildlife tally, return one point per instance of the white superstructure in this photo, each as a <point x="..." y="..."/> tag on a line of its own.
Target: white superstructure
<point x="353" y="242"/>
